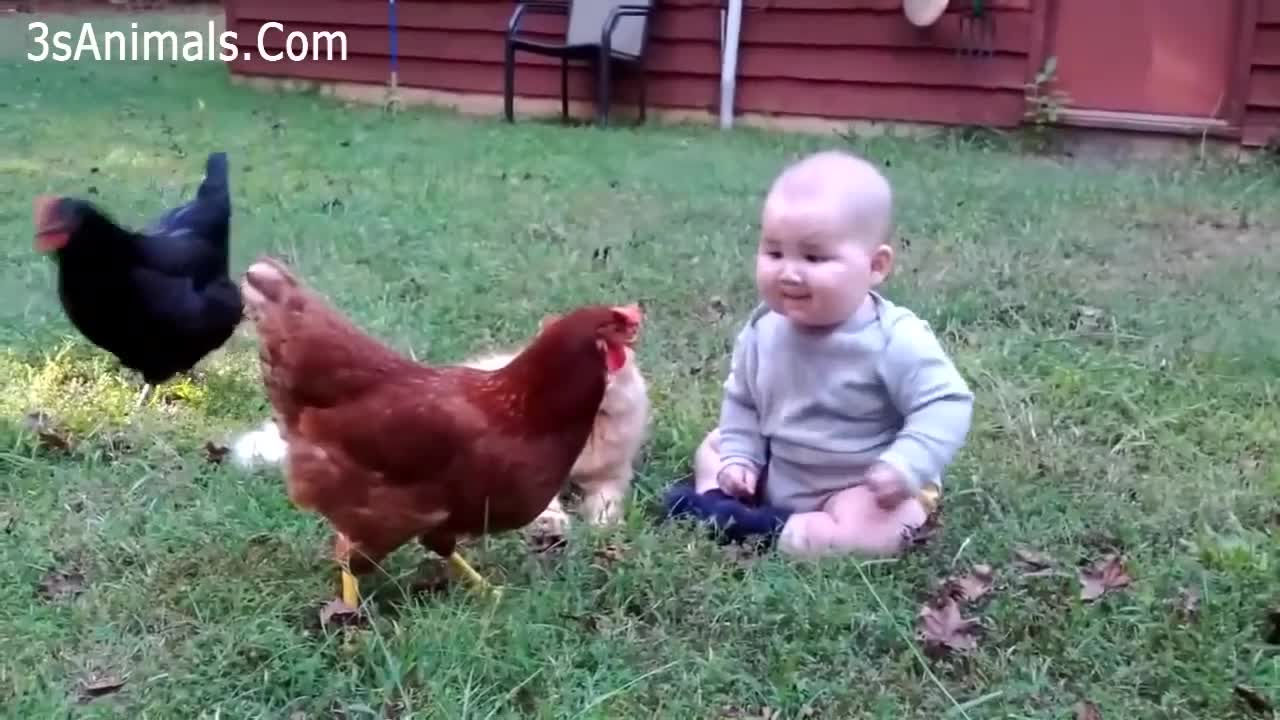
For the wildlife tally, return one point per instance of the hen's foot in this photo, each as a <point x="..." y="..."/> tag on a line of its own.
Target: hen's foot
<point x="350" y="589"/>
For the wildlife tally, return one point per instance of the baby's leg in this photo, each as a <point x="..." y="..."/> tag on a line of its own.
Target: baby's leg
<point x="851" y="522"/>
<point x="706" y="462"/>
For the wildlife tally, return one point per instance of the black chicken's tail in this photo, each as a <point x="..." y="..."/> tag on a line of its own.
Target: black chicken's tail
<point x="214" y="188"/>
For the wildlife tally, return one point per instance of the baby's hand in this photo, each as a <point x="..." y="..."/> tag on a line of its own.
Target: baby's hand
<point x="737" y="480"/>
<point x="889" y="486"/>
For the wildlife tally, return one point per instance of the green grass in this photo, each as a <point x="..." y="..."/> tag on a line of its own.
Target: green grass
<point x="1118" y="326"/>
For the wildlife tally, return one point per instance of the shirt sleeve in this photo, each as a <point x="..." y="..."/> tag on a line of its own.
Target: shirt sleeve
<point x="740" y="438"/>
<point x="933" y="398"/>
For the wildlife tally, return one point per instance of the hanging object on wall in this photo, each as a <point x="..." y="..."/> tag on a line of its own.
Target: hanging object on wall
<point x="977" y="31"/>
<point x="923" y="13"/>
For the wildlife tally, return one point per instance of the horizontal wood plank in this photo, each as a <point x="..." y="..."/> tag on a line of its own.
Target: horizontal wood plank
<point x="1261" y="126"/>
<point x="837" y="64"/>
<point x="1269" y="12"/>
<point x="1011" y="30"/>
<point x="766" y="95"/>
<point x="887" y="6"/>
<point x="1266" y="46"/>
<point x="1264" y="88"/>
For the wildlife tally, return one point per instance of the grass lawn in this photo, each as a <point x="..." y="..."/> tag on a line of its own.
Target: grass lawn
<point x="1118" y="327"/>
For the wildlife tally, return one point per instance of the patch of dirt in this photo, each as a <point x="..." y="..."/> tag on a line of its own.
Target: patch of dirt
<point x="1186" y="243"/>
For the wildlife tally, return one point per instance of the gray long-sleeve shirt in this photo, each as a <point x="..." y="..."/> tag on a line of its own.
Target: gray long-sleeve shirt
<point x="819" y="408"/>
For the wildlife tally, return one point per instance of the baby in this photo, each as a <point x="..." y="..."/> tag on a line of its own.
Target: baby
<point x="841" y="409"/>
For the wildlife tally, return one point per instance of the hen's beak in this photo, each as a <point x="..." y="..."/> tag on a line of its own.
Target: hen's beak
<point x="51" y="231"/>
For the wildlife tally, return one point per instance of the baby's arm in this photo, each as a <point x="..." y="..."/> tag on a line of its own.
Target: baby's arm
<point x="740" y="440"/>
<point x="933" y="398"/>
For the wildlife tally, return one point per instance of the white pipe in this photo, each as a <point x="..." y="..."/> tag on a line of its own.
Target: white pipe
<point x="729" y="63"/>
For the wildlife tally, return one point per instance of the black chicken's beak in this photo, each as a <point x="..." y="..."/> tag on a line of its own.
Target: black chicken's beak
<point x="51" y="231"/>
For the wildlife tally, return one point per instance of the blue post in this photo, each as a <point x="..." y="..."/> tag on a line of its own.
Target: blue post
<point x="395" y="72"/>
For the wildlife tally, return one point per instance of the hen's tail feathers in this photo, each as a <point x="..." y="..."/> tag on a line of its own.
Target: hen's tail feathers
<point x="214" y="188"/>
<point x="215" y="169"/>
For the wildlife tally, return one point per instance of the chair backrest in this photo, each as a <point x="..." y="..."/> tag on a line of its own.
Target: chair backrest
<point x="586" y="25"/>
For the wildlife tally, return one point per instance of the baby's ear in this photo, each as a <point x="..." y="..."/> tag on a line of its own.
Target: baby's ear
<point x="881" y="263"/>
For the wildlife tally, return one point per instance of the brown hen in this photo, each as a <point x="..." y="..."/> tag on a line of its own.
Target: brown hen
<point x="389" y="449"/>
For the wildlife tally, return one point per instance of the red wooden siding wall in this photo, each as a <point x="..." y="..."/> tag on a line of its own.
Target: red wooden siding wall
<point x="1262" y="104"/>
<point x="828" y="58"/>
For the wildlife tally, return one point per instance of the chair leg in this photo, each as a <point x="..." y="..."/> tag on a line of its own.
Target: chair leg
<point x="602" y="90"/>
<point x="564" y="90"/>
<point x="643" y="79"/>
<point x="508" y="83"/>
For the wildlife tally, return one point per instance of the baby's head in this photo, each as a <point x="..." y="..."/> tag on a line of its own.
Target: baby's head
<point x="824" y="240"/>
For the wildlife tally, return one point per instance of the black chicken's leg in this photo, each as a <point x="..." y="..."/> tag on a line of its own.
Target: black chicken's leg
<point x="147" y="390"/>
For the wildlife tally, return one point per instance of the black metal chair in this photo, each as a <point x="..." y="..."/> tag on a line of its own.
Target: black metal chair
<point x="602" y="31"/>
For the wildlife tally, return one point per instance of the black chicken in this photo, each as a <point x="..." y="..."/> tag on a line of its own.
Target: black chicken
<point x="159" y="299"/>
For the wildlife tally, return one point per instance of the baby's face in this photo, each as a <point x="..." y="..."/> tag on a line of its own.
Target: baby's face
<point x="811" y="272"/>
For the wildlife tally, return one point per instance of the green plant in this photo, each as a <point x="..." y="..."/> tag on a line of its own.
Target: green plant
<point x="1044" y="104"/>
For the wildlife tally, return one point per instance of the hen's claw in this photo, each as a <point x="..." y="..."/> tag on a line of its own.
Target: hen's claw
<point x="473" y="577"/>
<point x="145" y="395"/>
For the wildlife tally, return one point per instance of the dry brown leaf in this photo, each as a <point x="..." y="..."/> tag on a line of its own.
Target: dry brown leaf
<point x="714" y="310"/>
<point x="1253" y="699"/>
<point x="59" y="584"/>
<point x="215" y="453"/>
<point x="977" y="583"/>
<point x="1086" y="710"/>
<point x="1034" y="563"/>
<point x="942" y="629"/>
<point x="917" y="537"/>
<point x="1107" y="574"/>
<point x="1188" y="603"/>
<point x="764" y="713"/>
<point x="338" y="612"/>
<point x="610" y="553"/>
<point x="49" y="432"/>
<point x="95" y="685"/>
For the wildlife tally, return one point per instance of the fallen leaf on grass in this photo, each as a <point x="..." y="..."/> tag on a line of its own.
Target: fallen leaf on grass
<point x="610" y="553"/>
<point x="1188" y="604"/>
<point x="1034" y="564"/>
<point x="59" y="584"/>
<point x="1253" y="699"/>
<point x="917" y="537"/>
<point x="1103" y="576"/>
<point x="969" y="588"/>
<point x="764" y="713"/>
<point x="51" y="435"/>
<point x="1086" y="710"/>
<point x="339" y="613"/>
<point x="1032" y="560"/>
<point x="215" y="453"/>
<point x="95" y="685"/>
<point x="942" y="629"/>
<point x="714" y="310"/>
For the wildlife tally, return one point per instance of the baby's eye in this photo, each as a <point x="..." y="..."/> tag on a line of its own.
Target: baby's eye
<point x="774" y="254"/>
<point x="814" y="258"/>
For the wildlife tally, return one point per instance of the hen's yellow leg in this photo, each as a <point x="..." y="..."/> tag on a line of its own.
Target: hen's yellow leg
<point x="473" y="577"/>
<point x="350" y="589"/>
